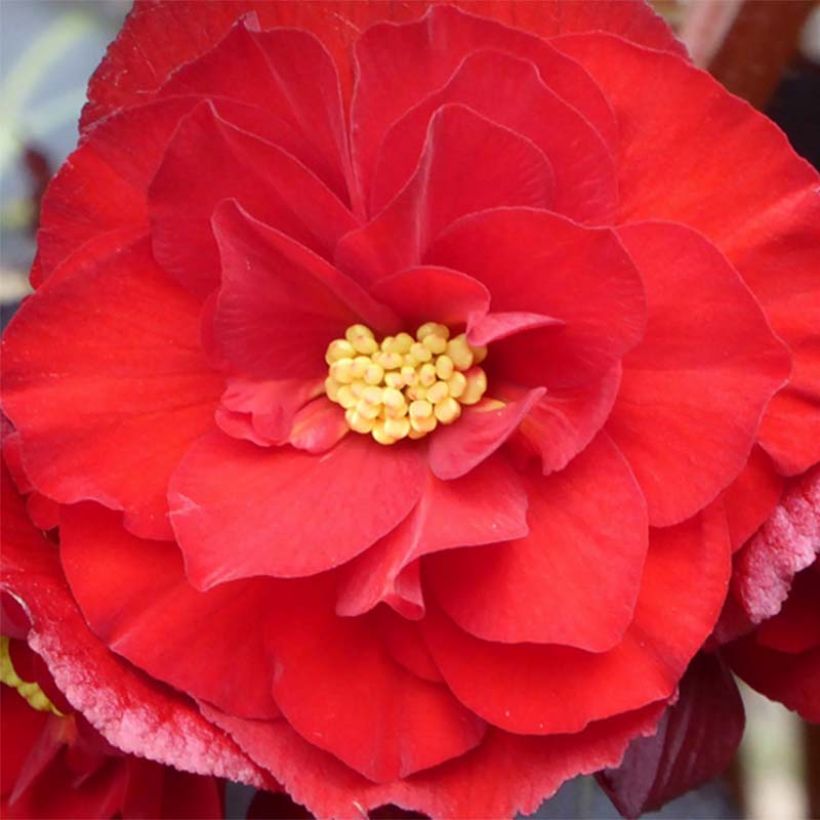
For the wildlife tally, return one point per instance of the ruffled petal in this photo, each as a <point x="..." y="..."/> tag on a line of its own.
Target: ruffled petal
<point x="574" y="578"/>
<point x="539" y="690"/>
<point x="481" y="430"/>
<point x="509" y="91"/>
<point x="796" y="628"/>
<point x="134" y="596"/>
<point x="694" y="390"/>
<point x="280" y="305"/>
<point x="375" y="716"/>
<point x="209" y="160"/>
<point x="129" y="710"/>
<point x="505" y="775"/>
<point x="294" y="82"/>
<point x="542" y="262"/>
<point x="107" y="386"/>
<point x="467" y="164"/>
<point x="426" y="294"/>
<point x="488" y="504"/>
<point x="565" y="420"/>
<point x="240" y="511"/>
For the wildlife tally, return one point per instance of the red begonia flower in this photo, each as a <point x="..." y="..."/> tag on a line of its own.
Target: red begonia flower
<point x="401" y="377"/>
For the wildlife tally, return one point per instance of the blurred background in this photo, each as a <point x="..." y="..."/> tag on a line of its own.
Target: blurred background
<point x="767" y="51"/>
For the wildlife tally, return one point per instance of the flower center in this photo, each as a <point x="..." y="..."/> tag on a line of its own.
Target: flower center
<point x="403" y="387"/>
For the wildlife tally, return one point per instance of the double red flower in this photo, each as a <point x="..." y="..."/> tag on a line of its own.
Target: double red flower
<point x="455" y="623"/>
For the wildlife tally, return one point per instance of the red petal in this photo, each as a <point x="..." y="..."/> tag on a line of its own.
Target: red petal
<point x="263" y="411"/>
<point x="696" y="740"/>
<point x="497" y="326"/>
<point x="420" y="295"/>
<point x="693" y="392"/>
<point x="796" y="628"/>
<point x="566" y="419"/>
<point x="506" y="775"/>
<point x="787" y="543"/>
<point x="318" y="426"/>
<point x="461" y="447"/>
<point x="764" y="220"/>
<point x="545" y="689"/>
<point x="280" y="305"/>
<point x="107" y="386"/>
<point x="542" y="262"/>
<point x="752" y="497"/>
<point x="134" y="595"/>
<point x="95" y="205"/>
<point x="240" y="511"/>
<point x="467" y="164"/>
<point x="574" y="579"/>
<point x="269" y="183"/>
<point x="397" y="66"/>
<point x="486" y="505"/>
<point x="129" y="710"/>
<point x="294" y="83"/>
<point x="509" y="91"/>
<point x="372" y="714"/>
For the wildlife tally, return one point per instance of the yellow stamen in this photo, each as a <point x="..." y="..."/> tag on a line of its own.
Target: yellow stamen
<point x="403" y="387"/>
<point x="30" y="692"/>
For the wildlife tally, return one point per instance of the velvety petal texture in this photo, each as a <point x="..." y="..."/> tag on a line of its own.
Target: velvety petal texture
<point x="410" y="393"/>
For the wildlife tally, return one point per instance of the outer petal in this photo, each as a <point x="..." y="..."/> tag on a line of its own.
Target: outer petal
<point x="503" y="776"/>
<point x="134" y="595"/>
<point x="696" y="740"/>
<point x="796" y="628"/>
<point x="467" y="164"/>
<point x="574" y="578"/>
<point x="509" y="91"/>
<point x="239" y="511"/>
<point x="280" y="305"/>
<point x="541" y="262"/>
<point x="158" y="37"/>
<point x="106" y="384"/>
<point x="694" y="390"/>
<point x="532" y="689"/>
<point x="209" y="160"/>
<point x="488" y="504"/>
<point x="381" y="720"/>
<point x="764" y="220"/>
<point x="129" y="710"/>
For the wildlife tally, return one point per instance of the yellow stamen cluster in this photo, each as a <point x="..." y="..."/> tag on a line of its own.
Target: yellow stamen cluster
<point x="403" y="387"/>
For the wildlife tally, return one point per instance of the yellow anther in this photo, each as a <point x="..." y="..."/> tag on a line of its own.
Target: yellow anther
<point x="355" y="332"/>
<point x="420" y="410"/>
<point x="460" y="352"/>
<point x="409" y="376"/>
<point x="345" y="397"/>
<point x="380" y="434"/>
<point x="374" y="373"/>
<point x="476" y="386"/>
<point x="427" y="374"/>
<point x="420" y="353"/>
<point x="432" y="327"/>
<point x="448" y="410"/>
<point x="438" y="392"/>
<point x="456" y="384"/>
<point x="368" y="411"/>
<point x="434" y="343"/>
<point x="29" y="691"/>
<point x="339" y="349"/>
<point x="356" y="421"/>
<point x="331" y="388"/>
<point x="444" y="367"/>
<point x="403" y="387"/>
<point x="342" y="371"/>
<point x="397" y="428"/>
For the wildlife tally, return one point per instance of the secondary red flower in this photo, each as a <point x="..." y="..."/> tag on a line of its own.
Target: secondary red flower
<point x="394" y="371"/>
<point x="54" y="764"/>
